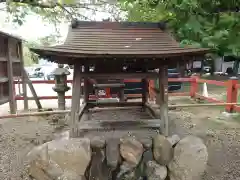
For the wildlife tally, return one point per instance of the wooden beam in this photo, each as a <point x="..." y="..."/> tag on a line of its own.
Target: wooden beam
<point x="76" y="94"/>
<point x="163" y="98"/>
<point x="4" y="100"/>
<point x="24" y="84"/>
<point x="97" y="109"/>
<point x="151" y="110"/>
<point x="119" y="124"/>
<point x="82" y="110"/>
<point x="121" y="92"/>
<point x="144" y="90"/>
<point x="149" y="75"/>
<point x="12" y="101"/>
<point x="114" y="104"/>
<point x="86" y="85"/>
<point x="110" y="85"/>
<point x="31" y="87"/>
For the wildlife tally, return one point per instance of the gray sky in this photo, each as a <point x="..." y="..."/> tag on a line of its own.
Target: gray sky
<point x="34" y="28"/>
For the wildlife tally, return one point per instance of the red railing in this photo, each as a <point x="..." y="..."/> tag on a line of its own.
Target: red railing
<point x="231" y="86"/>
<point x="92" y="97"/>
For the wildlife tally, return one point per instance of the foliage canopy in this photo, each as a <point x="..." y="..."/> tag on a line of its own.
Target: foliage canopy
<point x="202" y="23"/>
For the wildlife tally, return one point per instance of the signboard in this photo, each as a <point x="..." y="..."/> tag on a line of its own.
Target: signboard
<point x="197" y="64"/>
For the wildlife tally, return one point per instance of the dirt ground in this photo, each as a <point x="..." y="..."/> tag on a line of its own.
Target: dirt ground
<point x="220" y="133"/>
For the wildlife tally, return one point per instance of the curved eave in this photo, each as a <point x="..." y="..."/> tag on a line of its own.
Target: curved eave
<point x="54" y="53"/>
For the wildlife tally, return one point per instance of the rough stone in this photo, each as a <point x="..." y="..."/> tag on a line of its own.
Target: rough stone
<point x="147" y="156"/>
<point x="190" y="159"/>
<point x="127" y="172"/>
<point x="98" y="169"/>
<point x="174" y="139"/>
<point x="155" y="171"/>
<point x="112" y="153"/>
<point x="131" y="150"/>
<point x="162" y="150"/>
<point x="147" y="143"/>
<point x="53" y="159"/>
<point x="63" y="135"/>
<point x="98" y="142"/>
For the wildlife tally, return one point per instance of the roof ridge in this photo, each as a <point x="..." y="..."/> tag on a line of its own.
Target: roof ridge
<point x="109" y="24"/>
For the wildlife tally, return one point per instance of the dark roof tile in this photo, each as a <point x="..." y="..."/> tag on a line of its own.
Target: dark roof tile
<point x="113" y="38"/>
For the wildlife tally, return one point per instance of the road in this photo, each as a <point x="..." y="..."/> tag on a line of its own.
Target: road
<point x="41" y="90"/>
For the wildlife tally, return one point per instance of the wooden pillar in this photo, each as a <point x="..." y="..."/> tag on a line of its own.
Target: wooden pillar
<point x="76" y="94"/>
<point x="163" y="98"/>
<point x="12" y="101"/>
<point x="24" y="81"/>
<point x="144" y="89"/>
<point x="121" y="93"/>
<point x="86" y="85"/>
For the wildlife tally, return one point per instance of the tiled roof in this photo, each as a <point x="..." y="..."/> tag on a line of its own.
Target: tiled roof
<point x="89" y="39"/>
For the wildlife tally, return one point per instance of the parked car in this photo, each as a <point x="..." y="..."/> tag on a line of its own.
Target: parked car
<point x="34" y="72"/>
<point x="38" y="72"/>
<point x="29" y="70"/>
<point x="48" y="72"/>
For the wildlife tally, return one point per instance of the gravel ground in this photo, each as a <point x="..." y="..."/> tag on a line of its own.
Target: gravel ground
<point x="221" y="135"/>
<point x="17" y="137"/>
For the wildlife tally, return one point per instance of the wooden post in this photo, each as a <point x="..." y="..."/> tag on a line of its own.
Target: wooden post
<point x="24" y="84"/>
<point x="232" y="93"/>
<point x="194" y="86"/>
<point x="108" y="92"/>
<point x="163" y="98"/>
<point x="151" y="91"/>
<point x="144" y="90"/>
<point x="86" y="85"/>
<point x="121" y="92"/>
<point x="12" y="101"/>
<point x="76" y="94"/>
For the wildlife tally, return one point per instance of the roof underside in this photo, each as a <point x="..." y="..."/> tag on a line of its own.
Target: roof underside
<point x="113" y="39"/>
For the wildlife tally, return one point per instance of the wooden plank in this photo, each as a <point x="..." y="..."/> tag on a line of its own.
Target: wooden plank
<point x="97" y="109"/>
<point x="3" y="79"/>
<point x="113" y="85"/>
<point x="119" y="124"/>
<point x="12" y="101"/>
<point x="24" y="82"/>
<point x="114" y="104"/>
<point x="4" y="100"/>
<point x="76" y="94"/>
<point x="163" y="98"/>
<point x="82" y="109"/>
<point x="30" y="85"/>
<point x="149" y="75"/>
<point x="3" y="59"/>
<point x="151" y="110"/>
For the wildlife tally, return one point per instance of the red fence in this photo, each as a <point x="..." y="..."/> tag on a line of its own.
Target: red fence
<point x="231" y="90"/>
<point x="92" y="97"/>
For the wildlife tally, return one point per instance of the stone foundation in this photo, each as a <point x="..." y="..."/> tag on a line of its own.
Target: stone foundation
<point x="157" y="158"/>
